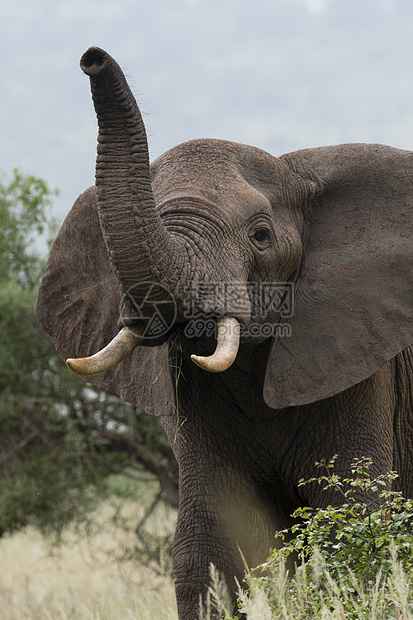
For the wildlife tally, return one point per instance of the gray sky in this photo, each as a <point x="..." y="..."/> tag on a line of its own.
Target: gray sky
<point x="278" y="74"/>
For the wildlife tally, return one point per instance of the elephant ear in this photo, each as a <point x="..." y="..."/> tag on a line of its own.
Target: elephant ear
<point x="78" y="305"/>
<point x="353" y="306"/>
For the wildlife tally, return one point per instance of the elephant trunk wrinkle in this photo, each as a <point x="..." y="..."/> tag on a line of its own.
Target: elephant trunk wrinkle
<point x="140" y="248"/>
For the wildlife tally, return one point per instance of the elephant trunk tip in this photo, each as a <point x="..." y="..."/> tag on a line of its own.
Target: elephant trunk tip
<point x="93" y="61"/>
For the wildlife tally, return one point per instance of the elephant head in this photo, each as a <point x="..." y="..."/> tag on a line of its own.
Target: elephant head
<point x="229" y="233"/>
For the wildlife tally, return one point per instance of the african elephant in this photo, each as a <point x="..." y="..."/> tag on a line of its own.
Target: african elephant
<point x="288" y="281"/>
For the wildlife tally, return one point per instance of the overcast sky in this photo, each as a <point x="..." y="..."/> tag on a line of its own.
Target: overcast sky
<point x="278" y="74"/>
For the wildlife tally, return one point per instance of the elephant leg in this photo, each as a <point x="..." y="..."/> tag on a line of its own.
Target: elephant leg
<point x="195" y="548"/>
<point x="223" y="524"/>
<point x="403" y="424"/>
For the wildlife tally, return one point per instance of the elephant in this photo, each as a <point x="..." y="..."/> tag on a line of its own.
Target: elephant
<point x="261" y="305"/>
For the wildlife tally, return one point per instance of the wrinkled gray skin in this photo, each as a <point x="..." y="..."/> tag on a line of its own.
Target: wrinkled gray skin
<point x="334" y="221"/>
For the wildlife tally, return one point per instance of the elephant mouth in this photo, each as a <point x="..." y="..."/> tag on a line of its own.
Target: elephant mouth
<point x="126" y="341"/>
<point x="228" y="331"/>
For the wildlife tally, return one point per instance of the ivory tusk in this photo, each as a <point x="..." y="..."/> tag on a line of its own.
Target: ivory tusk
<point x="226" y="349"/>
<point x="117" y="350"/>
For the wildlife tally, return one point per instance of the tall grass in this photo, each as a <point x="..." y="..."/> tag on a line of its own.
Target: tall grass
<point x="315" y="593"/>
<point x="357" y="557"/>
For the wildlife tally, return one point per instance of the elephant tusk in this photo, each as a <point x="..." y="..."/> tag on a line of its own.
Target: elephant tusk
<point x="117" y="350"/>
<point x="226" y="349"/>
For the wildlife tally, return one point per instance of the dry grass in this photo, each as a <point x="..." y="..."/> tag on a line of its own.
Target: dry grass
<point x="81" y="580"/>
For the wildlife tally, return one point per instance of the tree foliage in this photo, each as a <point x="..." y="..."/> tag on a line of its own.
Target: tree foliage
<point x="60" y="439"/>
<point x="25" y="203"/>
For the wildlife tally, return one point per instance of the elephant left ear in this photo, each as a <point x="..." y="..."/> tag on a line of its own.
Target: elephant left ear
<point x="79" y="303"/>
<point x="353" y="303"/>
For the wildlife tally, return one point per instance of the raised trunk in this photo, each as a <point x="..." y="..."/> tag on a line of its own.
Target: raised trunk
<point x="139" y="246"/>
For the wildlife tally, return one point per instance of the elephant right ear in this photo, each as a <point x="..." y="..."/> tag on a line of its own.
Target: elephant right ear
<point x="79" y="303"/>
<point x="353" y="305"/>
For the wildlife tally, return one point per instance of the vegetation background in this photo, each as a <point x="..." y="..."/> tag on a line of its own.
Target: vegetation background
<point x="76" y="464"/>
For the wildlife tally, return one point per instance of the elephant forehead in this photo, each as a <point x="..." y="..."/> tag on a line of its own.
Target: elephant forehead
<point x="211" y="172"/>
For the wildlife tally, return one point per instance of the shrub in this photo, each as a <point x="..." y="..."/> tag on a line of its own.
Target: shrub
<point x="354" y="560"/>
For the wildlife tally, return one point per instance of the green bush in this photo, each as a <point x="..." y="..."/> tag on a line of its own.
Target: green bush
<point x="353" y="561"/>
<point x="360" y="531"/>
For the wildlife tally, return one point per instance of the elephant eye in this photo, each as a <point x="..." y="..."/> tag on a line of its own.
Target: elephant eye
<point x="261" y="235"/>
